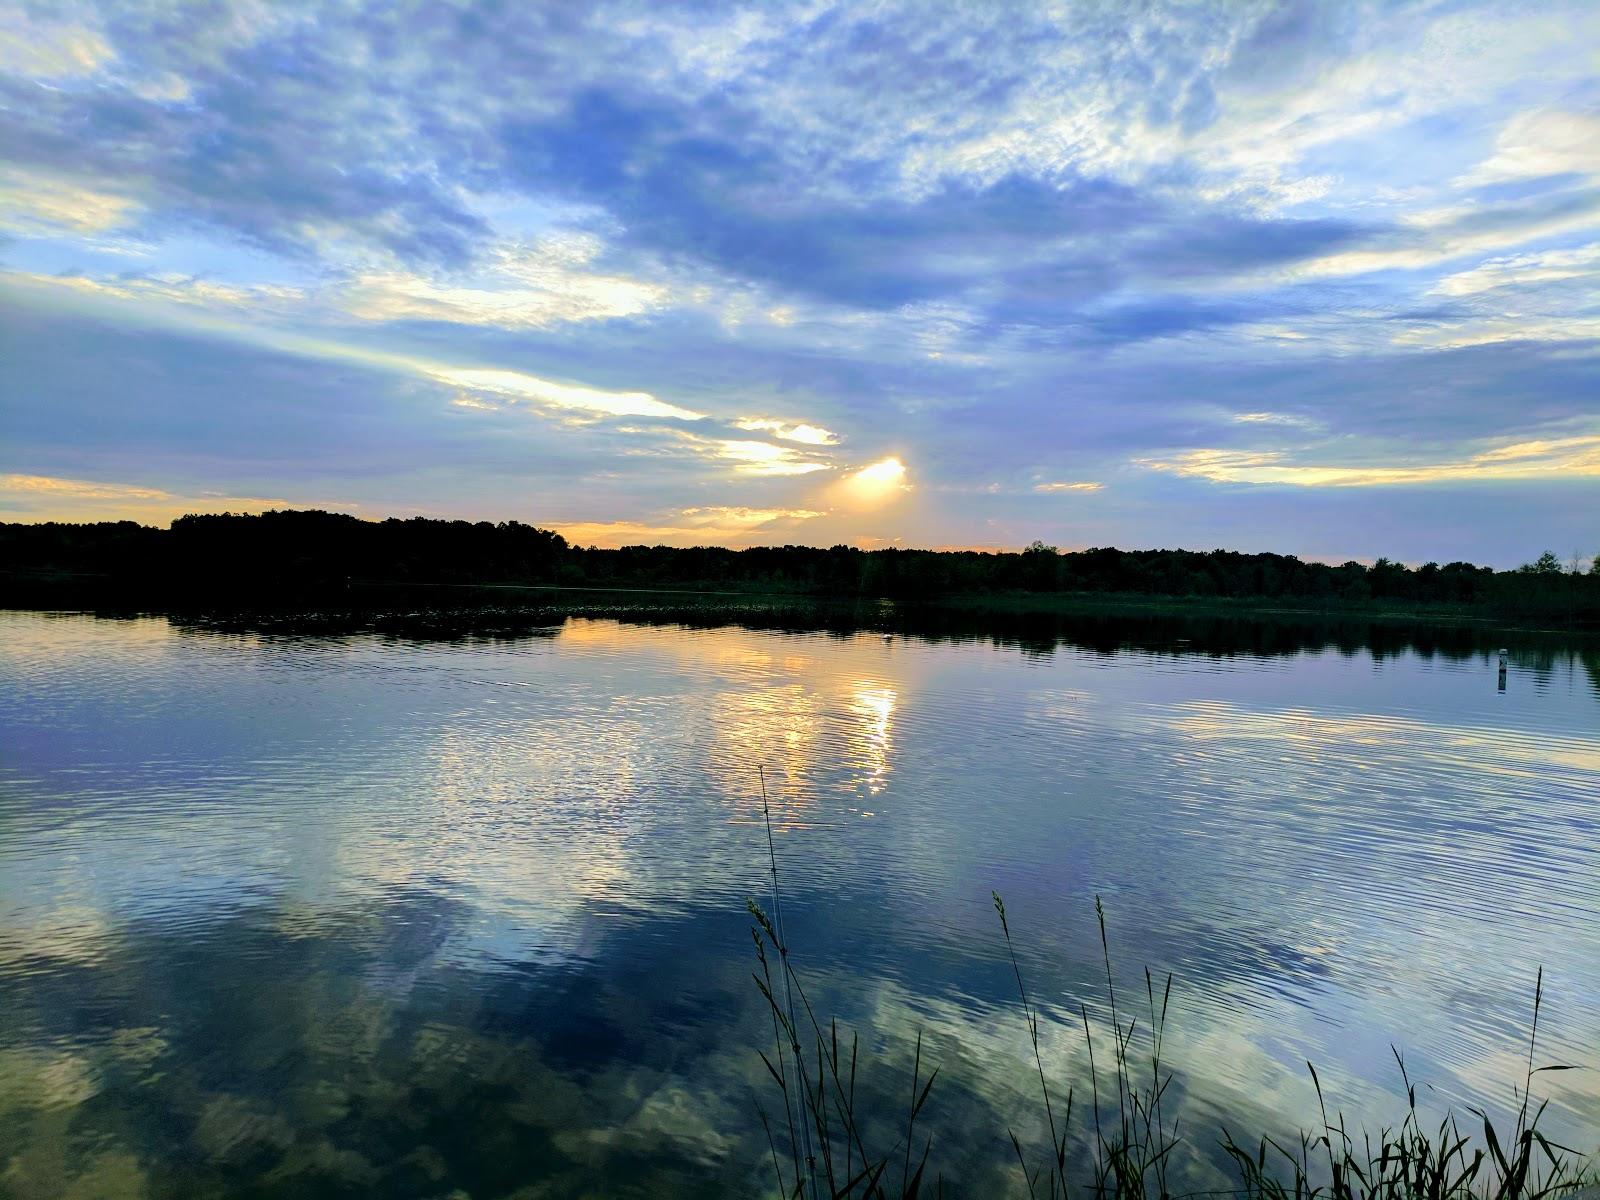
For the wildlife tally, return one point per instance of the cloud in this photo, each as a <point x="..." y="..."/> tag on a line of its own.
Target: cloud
<point x="41" y="48"/>
<point x="808" y="435"/>
<point x="524" y="286"/>
<point x="1536" y="459"/>
<point x="35" y="203"/>
<point x="517" y="386"/>
<point x="693" y="527"/>
<point x="410" y="298"/>
<point x="168" y="288"/>
<point x="1268" y="418"/>
<point x="1540" y="143"/>
<point x="250" y="120"/>
<point x="1545" y="266"/>
<point x="78" y="488"/>
<point x="1451" y="335"/>
<point x="1469" y="230"/>
<point x="675" y="188"/>
<point x="1082" y="485"/>
<point x="749" y="517"/>
<point x="35" y="498"/>
<point x="762" y="458"/>
<point x="482" y="386"/>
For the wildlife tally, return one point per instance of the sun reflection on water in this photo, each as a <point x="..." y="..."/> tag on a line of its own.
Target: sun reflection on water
<point x="874" y="705"/>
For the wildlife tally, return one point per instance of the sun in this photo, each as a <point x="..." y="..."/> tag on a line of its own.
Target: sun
<point x="876" y="483"/>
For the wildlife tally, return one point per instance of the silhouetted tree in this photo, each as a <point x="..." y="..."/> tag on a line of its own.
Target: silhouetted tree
<point x="312" y="551"/>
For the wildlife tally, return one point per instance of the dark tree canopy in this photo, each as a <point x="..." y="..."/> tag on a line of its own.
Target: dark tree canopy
<point x="314" y="550"/>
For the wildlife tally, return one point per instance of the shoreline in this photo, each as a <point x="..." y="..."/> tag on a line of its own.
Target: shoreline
<point x="91" y="592"/>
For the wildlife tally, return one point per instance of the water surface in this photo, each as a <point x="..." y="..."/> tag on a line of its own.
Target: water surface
<point x="352" y="914"/>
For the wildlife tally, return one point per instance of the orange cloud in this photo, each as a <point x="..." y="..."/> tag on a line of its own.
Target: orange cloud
<point x="37" y="498"/>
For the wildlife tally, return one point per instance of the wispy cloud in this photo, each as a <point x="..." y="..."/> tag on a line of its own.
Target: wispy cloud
<point x="694" y="527"/>
<point x="1473" y="231"/>
<point x="529" y="285"/>
<point x="808" y="435"/>
<point x="1572" y="457"/>
<point x="747" y="517"/>
<point x="762" y="458"/>
<point x="517" y="386"/>
<point x="48" y="498"/>
<point x="1540" y="143"/>
<point x="1522" y="327"/>
<point x="80" y="489"/>
<point x="35" y="203"/>
<point x="38" y="47"/>
<point x="171" y="288"/>
<point x="1520" y="270"/>
<point x="1268" y="418"/>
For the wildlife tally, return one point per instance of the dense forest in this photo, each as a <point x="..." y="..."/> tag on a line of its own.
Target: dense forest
<point x="313" y="551"/>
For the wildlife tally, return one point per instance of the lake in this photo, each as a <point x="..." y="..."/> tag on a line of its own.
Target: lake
<point x="333" y="911"/>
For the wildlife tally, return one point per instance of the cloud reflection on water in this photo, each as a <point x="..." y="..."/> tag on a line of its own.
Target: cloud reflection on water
<point x="538" y="853"/>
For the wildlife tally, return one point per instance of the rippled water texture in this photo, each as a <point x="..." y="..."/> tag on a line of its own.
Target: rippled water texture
<point x="353" y="915"/>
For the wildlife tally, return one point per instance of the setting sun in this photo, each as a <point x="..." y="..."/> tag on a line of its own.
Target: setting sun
<point x="875" y="484"/>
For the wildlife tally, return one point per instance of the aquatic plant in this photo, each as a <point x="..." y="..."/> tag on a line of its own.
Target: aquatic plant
<point x="1412" y="1162"/>
<point x="821" y="1145"/>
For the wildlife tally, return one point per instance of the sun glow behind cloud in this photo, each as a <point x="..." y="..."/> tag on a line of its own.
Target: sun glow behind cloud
<point x="763" y="458"/>
<point x="874" y="485"/>
<point x="808" y="435"/>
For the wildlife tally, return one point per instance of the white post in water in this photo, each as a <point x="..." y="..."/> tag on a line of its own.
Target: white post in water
<point x="1502" y="669"/>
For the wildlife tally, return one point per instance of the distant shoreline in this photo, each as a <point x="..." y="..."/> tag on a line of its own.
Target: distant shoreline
<point x="318" y="558"/>
<point x="105" y="593"/>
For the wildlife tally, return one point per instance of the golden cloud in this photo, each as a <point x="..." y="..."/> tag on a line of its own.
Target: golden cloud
<point x="1540" y="459"/>
<point x="48" y="498"/>
<point x="763" y="458"/>
<point x="689" y="527"/>
<point x="809" y="435"/>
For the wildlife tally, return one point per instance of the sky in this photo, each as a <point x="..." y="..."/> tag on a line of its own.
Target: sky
<point x="1318" y="278"/>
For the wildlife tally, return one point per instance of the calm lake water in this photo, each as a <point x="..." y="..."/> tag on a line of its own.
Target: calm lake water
<point x="352" y="914"/>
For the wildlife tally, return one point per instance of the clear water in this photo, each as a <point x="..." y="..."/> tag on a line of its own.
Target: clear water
<point x="364" y="915"/>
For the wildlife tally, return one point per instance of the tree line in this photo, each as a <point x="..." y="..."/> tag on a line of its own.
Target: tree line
<point x="315" y="550"/>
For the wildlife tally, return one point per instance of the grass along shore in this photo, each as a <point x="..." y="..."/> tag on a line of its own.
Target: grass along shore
<point x="1119" y="1141"/>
